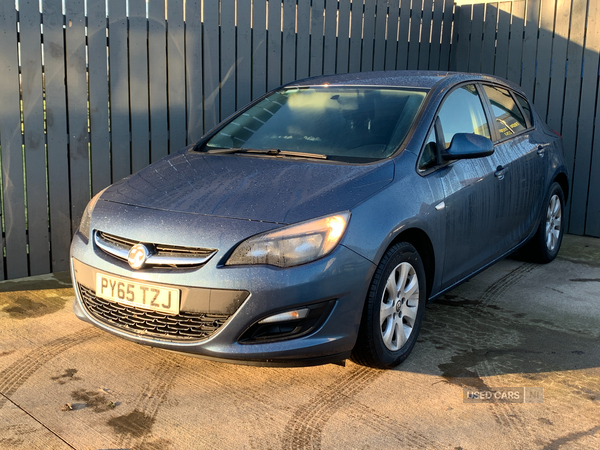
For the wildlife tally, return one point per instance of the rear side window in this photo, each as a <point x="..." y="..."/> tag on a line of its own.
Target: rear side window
<point x="462" y="112"/>
<point x="508" y="117"/>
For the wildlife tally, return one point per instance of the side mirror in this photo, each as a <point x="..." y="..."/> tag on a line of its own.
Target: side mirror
<point x="468" y="146"/>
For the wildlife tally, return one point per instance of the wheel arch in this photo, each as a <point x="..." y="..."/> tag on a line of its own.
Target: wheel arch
<point x="421" y="241"/>
<point x="563" y="181"/>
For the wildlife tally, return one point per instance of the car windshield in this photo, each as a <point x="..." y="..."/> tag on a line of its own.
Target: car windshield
<point x="353" y="124"/>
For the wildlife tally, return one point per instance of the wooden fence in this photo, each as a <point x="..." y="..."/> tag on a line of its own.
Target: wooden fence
<point x="96" y="89"/>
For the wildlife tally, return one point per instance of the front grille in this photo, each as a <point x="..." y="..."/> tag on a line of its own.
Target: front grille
<point x="161" y="255"/>
<point x="185" y="326"/>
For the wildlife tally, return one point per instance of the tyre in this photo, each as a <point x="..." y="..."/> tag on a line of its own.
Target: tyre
<point x="393" y="309"/>
<point x="545" y="244"/>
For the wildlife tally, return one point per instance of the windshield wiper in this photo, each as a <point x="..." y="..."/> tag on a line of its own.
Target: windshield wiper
<point x="266" y="151"/>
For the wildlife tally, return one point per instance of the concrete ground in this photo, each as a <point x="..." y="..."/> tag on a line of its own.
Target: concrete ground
<point x="515" y="325"/>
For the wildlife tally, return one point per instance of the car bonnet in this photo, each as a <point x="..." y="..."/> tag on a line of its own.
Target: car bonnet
<point x="269" y="189"/>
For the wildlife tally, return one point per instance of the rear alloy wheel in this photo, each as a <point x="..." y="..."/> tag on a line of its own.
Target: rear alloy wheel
<point x="393" y="310"/>
<point x="544" y="246"/>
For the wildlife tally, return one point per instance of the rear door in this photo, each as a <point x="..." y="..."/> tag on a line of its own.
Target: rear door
<point x="522" y="160"/>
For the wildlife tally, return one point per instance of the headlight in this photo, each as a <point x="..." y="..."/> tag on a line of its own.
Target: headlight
<point x="293" y="245"/>
<point x="84" y="225"/>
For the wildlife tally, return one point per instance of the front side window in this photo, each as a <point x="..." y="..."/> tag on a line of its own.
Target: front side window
<point x="354" y="124"/>
<point x="509" y="120"/>
<point x="462" y="112"/>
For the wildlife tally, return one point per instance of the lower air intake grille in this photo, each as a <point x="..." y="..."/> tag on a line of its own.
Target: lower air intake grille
<point x="185" y="326"/>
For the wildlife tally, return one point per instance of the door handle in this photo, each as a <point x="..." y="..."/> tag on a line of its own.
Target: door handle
<point x="541" y="150"/>
<point x="500" y="172"/>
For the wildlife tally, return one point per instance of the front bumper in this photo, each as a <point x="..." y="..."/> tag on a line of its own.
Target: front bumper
<point x="341" y="279"/>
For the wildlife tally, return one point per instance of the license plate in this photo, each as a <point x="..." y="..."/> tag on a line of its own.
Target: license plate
<point x="148" y="296"/>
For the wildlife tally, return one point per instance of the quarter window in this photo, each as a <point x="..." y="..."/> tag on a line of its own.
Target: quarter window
<point x="526" y="108"/>
<point x="509" y="120"/>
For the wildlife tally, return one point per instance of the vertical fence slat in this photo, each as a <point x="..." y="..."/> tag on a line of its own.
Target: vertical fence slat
<point x="464" y="30"/>
<point x="176" y="74"/>
<point x="379" y="44"/>
<point x="356" y="36"/>
<point x="56" y="131"/>
<point x="330" y="40"/>
<point x="274" y="44"/>
<point x="544" y="57"/>
<point x="476" y="38"/>
<point x="403" y="29"/>
<point x="193" y="70"/>
<point x="343" y="43"/>
<point x="100" y="150"/>
<point x="228" y="58"/>
<point x="211" y="63"/>
<point x="244" y="52"/>
<point x="157" y="70"/>
<point x="425" y="44"/>
<point x="415" y="28"/>
<point x="35" y="151"/>
<point x="558" y="67"/>
<point x="288" y="58"/>
<point x="436" y="35"/>
<point x="581" y="174"/>
<point x="392" y="33"/>
<point x="316" y="38"/>
<point x="10" y="141"/>
<point x="259" y="48"/>
<point x="515" y="45"/>
<point x="572" y="105"/>
<point x="119" y="90"/>
<point x="446" y="35"/>
<point x="489" y="38"/>
<point x="138" y="82"/>
<point x="77" y="109"/>
<point x="530" y="46"/>
<point x="500" y="68"/>
<point x="368" y="30"/>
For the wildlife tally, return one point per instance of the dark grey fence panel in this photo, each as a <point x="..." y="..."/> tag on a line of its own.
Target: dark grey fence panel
<point x="316" y="38"/>
<point x="193" y="71"/>
<point x="259" y="48"/>
<point x="330" y="39"/>
<point x="33" y="124"/>
<point x="424" y="44"/>
<point x="368" y="36"/>
<point x="530" y="46"/>
<point x="77" y="95"/>
<point x="392" y="32"/>
<point x="176" y="64"/>
<point x="475" y="56"/>
<point x="13" y="193"/>
<point x="288" y="50"/>
<point x="445" y="49"/>
<point x="157" y="74"/>
<point x="515" y="46"/>
<point x="227" y="58"/>
<point x="544" y="57"/>
<point x="489" y="39"/>
<point x="119" y="90"/>
<point x="57" y="137"/>
<point x="415" y="29"/>
<point x="343" y="40"/>
<point x="273" y="44"/>
<point x="355" y="35"/>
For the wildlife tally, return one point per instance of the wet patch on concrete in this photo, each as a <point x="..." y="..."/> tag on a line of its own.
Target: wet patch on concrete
<point x="156" y="444"/>
<point x="23" y="307"/>
<point x="60" y="280"/>
<point x="68" y="375"/>
<point x="9" y="352"/>
<point x="135" y="424"/>
<point x="571" y="437"/>
<point x="92" y="399"/>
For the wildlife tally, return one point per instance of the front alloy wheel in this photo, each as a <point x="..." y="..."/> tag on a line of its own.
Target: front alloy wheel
<point x="393" y="309"/>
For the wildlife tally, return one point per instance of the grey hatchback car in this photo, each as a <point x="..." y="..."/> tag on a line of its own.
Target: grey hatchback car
<point x="313" y="225"/>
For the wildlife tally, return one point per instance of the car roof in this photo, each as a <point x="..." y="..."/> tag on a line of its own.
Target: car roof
<point x="424" y="79"/>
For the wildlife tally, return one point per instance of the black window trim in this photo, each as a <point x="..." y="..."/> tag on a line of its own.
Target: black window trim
<point x="484" y="104"/>
<point x="498" y="139"/>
